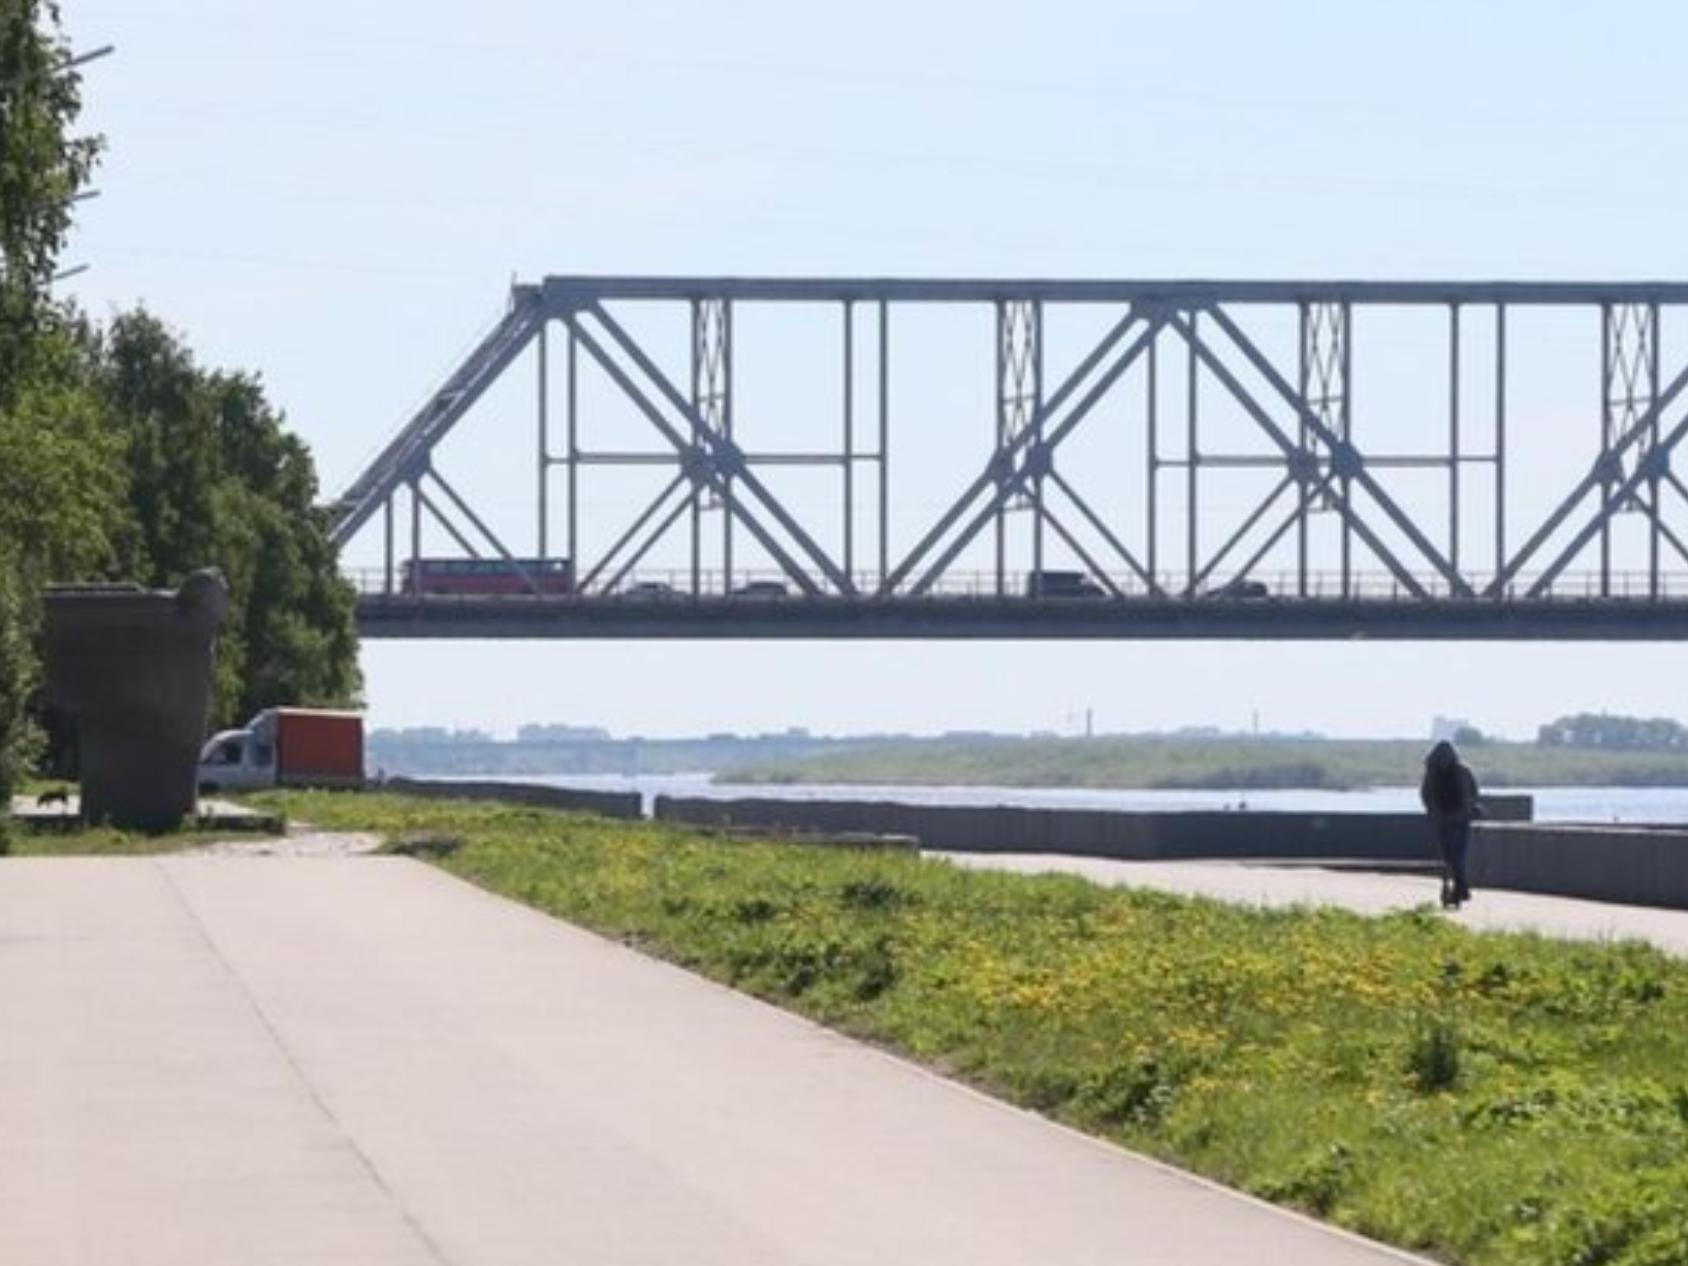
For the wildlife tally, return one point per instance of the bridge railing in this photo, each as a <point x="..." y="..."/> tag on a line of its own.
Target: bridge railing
<point x="751" y="585"/>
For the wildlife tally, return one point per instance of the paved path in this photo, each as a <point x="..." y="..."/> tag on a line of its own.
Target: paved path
<point x="1363" y="891"/>
<point x="312" y="1061"/>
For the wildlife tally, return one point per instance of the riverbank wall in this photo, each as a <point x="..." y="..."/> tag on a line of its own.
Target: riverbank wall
<point x="609" y="804"/>
<point x="1627" y="865"/>
<point x="1127" y="836"/>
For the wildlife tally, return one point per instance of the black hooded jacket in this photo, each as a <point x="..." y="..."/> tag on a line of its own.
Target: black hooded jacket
<point x="1449" y="790"/>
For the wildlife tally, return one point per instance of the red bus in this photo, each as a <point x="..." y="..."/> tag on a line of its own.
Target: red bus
<point x="487" y="575"/>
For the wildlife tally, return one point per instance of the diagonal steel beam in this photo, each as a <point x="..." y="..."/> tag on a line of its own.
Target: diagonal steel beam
<point x="1656" y="515"/>
<point x="680" y="507"/>
<point x="1252" y="407"/>
<point x="727" y="459"/>
<point x="643" y="403"/>
<point x="405" y="456"/>
<point x="1004" y="454"/>
<point x="1096" y="570"/>
<point x="1258" y="513"/>
<point x="1342" y="450"/>
<point x="637" y="526"/>
<point x="1643" y="424"/>
<point x="1681" y="488"/>
<point x="497" y="545"/>
<point x="463" y="542"/>
<point x="1303" y="501"/>
<point x="1657" y="459"/>
<point x="1095" y="520"/>
<point x="1017" y="478"/>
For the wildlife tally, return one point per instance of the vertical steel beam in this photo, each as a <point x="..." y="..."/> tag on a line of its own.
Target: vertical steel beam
<point x="700" y="407"/>
<point x="725" y="406"/>
<point x="1629" y="386"/>
<point x="415" y="539"/>
<point x="1453" y="436"/>
<point x="711" y="400"/>
<point x="1606" y="379"/>
<point x="1038" y="512"/>
<point x="1500" y="449"/>
<point x="1303" y="382"/>
<point x="1192" y="453"/>
<point x="1019" y="400"/>
<point x="571" y="415"/>
<point x="1657" y="339"/>
<point x="849" y="310"/>
<point x="544" y="458"/>
<point x="1000" y="527"/>
<point x="387" y="552"/>
<point x="1324" y="368"/>
<point x="1347" y="433"/>
<point x="1152" y="426"/>
<point x="884" y="442"/>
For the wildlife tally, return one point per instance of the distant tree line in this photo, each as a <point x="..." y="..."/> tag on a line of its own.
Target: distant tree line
<point x="1614" y="733"/>
<point x="121" y="458"/>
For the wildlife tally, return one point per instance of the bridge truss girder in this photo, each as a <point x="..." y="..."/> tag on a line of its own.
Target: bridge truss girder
<point x="1303" y="415"/>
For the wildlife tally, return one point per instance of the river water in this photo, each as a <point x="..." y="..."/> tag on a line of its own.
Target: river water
<point x="1553" y="804"/>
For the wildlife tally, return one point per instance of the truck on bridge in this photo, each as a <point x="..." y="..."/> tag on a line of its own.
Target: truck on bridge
<point x="487" y="576"/>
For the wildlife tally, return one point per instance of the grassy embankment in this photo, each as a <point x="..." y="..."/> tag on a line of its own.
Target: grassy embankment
<point x="1239" y="764"/>
<point x="104" y="841"/>
<point x="101" y="841"/>
<point x="1492" y="1099"/>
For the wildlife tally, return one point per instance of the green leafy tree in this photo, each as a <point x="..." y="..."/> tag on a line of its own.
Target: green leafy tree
<point x="42" y="168"/>
<point x="1614" y="733"/>
<point x="48" y="516"/>
<point x="215" y="480"/>
<point x="120" y="458"/>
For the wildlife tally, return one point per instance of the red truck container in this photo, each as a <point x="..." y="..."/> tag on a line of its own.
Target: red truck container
<point x="286" y="747"/>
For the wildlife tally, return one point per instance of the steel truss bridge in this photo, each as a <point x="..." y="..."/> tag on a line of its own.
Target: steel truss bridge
<point x="1327" y="545"/>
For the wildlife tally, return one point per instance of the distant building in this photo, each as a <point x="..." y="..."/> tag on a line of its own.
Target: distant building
<point x="562" y="734"/>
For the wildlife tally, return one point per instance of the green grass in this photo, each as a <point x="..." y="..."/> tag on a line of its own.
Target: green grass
<point x="1165" y="763"/>
<point x="16" y="841"/>
<point x="1487" y="1098"/>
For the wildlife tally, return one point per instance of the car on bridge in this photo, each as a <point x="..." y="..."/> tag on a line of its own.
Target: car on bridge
<point x="487" y="577"/>
<point x="762" y="589"/>
<point x="1062" y="584"/>
<point x="1239" y="589"/>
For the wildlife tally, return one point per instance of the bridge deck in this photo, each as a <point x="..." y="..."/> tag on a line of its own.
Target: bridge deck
<point x="1136" y="618"/>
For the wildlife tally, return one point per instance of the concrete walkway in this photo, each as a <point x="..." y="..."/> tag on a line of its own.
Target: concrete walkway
<point x="1365" y="892"/>
<point x="361" y="1060"/>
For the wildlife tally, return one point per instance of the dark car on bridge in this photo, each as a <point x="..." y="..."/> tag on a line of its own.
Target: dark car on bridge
<point x="1062" y="584"/>
<point x="1240" y="589"/>
<point x="762" y="589"/>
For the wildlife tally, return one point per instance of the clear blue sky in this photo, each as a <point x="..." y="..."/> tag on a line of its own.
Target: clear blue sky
<point x="337" y="196"/>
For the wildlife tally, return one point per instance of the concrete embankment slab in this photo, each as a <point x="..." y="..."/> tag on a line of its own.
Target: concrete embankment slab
<point x="1363" y="892"/>
<point x="307" y="1060"/>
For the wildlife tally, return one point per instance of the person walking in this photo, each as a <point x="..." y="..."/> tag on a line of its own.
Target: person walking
<point x="1449" y="793"/>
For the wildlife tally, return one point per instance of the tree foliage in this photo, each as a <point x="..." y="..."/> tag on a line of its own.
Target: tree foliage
<point x="121" y="458"/>
<point x="1614" y="733"/>
<point x="215" y="479"/>
<point x="42" y="166"/>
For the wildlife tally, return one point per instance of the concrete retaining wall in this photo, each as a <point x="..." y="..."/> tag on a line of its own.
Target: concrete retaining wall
<point x="1629" y="865"/>
<point x="1087" y="833"/>
<point x="610" y="804"/>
